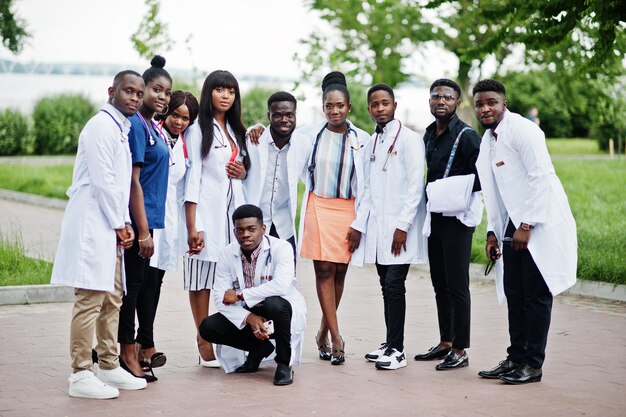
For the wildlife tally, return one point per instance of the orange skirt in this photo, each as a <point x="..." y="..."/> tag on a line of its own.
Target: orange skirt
<point x="326" y="224"/>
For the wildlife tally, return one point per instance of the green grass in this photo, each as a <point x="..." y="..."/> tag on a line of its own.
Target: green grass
<point x="595" y="189"/>
<point x="573" y="146"/>
<point x="45" y="180"/>
<point x="17" y="269"/>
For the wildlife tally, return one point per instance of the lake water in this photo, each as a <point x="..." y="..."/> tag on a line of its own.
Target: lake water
<point x="21" y="91"/>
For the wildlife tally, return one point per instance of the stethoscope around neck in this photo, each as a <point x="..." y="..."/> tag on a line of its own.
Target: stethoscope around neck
<point x="267" y="267"/>
<point x="346" y="135"/>
<point x="389" y="151"/>
<point x="124" y="135"/>
<point x="181" y="137"/>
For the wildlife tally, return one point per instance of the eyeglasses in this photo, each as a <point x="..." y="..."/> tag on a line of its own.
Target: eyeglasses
<point x="446" y="97"/>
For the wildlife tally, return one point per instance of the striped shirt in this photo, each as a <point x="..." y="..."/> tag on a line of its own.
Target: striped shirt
<point x="334" y="166"/>
<point x="249" y="267"/>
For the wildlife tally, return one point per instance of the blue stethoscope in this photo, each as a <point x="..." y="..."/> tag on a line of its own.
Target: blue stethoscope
<point x="124" y="135"/>
<point x="266" y="268"/>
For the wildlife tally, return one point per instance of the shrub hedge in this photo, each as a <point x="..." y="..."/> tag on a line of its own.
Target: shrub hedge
<point x="57" y="122"/>
<point x="13" y="132"/>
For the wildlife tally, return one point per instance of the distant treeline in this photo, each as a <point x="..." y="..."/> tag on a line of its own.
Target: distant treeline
<point x="100" y="69"/>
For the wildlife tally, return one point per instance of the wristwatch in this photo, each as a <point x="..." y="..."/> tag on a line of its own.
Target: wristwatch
<point x="526" y="227"/>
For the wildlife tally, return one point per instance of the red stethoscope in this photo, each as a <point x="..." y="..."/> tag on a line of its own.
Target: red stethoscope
<point x="389" y="151"/>
<point x="182" y="139"/>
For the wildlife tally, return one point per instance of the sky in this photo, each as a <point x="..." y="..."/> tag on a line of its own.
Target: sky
<point x="246" y="37"/>
<point x="243" y="36"/>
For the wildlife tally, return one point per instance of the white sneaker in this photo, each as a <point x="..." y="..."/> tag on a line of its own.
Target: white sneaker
<point x="85" y="384"/>
<point x="121" y="379"/>
<point x="391" y="359"/>
<point x="375" y="355"/>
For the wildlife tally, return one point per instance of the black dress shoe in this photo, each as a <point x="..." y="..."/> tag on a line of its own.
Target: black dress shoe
<point x="502" y="368"/>
<point x="435" y="352"/>
<point x="522" y="375"/>
<point x="453" y="361"/>
<point x="254" y="358"/>
<point x="283" y="375"/>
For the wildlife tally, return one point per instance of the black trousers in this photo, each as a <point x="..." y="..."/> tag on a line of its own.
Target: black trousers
<point x="140" y="298"/>
<point x="392" y="283"/>
<point x="160" y="273"/>
<point x="216" y="328"/>
<point x="530" y="305"/>
<point x="449" y="250"/>
<point x="291" y="240"/>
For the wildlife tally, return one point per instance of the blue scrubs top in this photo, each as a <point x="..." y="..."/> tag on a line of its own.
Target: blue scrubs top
<point x="153" y="156"/>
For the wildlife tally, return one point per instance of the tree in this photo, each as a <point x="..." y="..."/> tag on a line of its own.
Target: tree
<point x="375" y="37"/>
<point x="12" y="28"/>
<point x="585" y="35"/>
<point x="568" y="104"/>
<point x="254" y="105"/>
<point x="460" y="27"/>
<point x="151" y="37"/>
<point x="371" y="39"/>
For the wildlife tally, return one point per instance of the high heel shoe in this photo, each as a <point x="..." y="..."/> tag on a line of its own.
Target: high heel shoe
<point x="340" y="358"/>
<point x="157" y="360"/>
<point x="208" y="364"/>
<point x="215" y="363"/>
<point x="323" y="349"/>
<point x="148" y="378"/>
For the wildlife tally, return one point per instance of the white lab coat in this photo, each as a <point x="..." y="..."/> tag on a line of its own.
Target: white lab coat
<point x="397" y="197"/>
<point x="207" y="186"/>
<point x="448" y="194"/>
<point x="280" y="267"/>
<point x="170" y="243"/>
<point x="359" y="143"/>
<point x="297" y="158"/>
<point x="98" y="204"/>
<point x="519" y="181"/>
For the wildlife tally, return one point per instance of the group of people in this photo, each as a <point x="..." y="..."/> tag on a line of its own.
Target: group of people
<point x="159" y="176"/>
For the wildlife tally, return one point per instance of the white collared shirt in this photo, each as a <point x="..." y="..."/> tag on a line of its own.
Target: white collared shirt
<point x="275" y="196"/>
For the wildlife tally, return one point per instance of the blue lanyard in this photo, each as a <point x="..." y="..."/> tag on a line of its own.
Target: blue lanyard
<point x="453" y="151"/>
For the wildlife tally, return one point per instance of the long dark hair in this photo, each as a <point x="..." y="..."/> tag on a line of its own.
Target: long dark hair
<point x="181" y="98"/>
<point x="214" y="80"/>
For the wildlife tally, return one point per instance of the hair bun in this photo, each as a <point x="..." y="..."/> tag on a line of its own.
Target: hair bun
<point x="157" y="61"/>
<point x="334" y="77"/>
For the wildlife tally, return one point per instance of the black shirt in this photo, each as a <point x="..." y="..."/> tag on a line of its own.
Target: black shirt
<point x="438" y="151"/>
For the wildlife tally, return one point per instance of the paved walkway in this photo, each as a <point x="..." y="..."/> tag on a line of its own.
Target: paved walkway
<point x="584" y="374"/>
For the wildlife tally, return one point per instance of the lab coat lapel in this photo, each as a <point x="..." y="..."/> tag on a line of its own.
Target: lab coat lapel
<point x="264" y="141"/>
<point x="236" y="265"/>
<point x="260" y="262"/>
